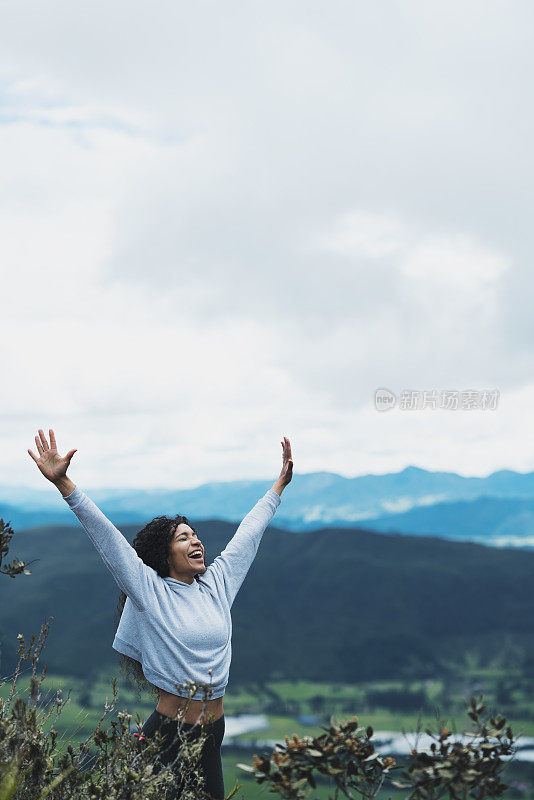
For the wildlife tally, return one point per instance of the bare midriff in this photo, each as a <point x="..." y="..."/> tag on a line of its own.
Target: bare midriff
<point x="172" y="704"/>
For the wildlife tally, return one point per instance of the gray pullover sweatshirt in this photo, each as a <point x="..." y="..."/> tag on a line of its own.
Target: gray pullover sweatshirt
<point x="177" y="631"/>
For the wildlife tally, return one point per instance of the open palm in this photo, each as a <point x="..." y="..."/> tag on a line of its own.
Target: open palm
<point x="52" y="465"/>
<point x="287" y="462"/>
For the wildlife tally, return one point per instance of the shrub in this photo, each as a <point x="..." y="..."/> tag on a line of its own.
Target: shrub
<point x="346" y="755"/>
<point x="114" y="764"/>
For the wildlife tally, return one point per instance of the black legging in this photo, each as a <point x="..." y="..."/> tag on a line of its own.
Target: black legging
<point x="210" y="762"/>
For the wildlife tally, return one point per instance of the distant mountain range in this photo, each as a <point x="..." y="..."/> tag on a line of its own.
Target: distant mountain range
<point x="495" y="510"/>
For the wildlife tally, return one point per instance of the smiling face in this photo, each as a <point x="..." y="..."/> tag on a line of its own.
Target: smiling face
<point x="183" y="545"/>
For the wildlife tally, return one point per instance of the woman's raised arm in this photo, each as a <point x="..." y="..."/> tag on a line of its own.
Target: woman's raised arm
<point x="132" y="575"/>
<point x="231" y="567"/>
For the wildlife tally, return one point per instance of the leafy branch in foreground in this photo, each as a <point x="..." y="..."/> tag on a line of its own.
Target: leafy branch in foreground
<point x="454" y="769"/>
<point x="37" y="763"/>
<point x="345" y="754"/>
<point x="16" y="567"/>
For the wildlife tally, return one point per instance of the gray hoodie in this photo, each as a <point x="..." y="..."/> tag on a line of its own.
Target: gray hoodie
<point x="177" y="631"/>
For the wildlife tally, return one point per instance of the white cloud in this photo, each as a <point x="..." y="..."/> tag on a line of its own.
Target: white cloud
<point x="456" y="262"/>
<point x="221" y="223"/>
<point x="359" y="234"/>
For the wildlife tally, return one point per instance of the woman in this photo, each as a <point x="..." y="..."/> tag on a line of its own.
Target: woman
<point x="176" y="622"/>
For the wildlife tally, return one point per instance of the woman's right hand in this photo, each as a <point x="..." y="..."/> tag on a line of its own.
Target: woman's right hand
<point x="52" y="465"/>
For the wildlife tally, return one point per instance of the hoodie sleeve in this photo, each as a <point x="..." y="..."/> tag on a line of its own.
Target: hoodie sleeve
<point x="230" y="568"/>
<point x="132" y="575"/>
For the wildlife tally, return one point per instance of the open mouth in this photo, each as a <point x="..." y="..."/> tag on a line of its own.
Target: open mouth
<point x="197" y="557"/>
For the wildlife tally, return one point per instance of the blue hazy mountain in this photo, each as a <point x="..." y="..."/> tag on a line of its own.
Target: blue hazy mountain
<point x="497" y="509"/>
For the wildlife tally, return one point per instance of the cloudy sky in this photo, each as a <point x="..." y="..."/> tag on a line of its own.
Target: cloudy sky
<point x="225" y="222"/>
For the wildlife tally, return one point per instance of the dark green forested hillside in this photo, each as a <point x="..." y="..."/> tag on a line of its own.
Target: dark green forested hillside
<point x="338" y="604"/>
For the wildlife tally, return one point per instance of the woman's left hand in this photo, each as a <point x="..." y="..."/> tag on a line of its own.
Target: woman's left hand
<point x="287" y="463"/>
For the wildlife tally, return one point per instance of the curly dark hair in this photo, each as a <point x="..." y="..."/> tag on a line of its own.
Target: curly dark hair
<point x="151" y="544"/>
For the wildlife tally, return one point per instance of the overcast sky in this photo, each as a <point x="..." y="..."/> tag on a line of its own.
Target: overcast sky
<point x="221" y="223"/>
